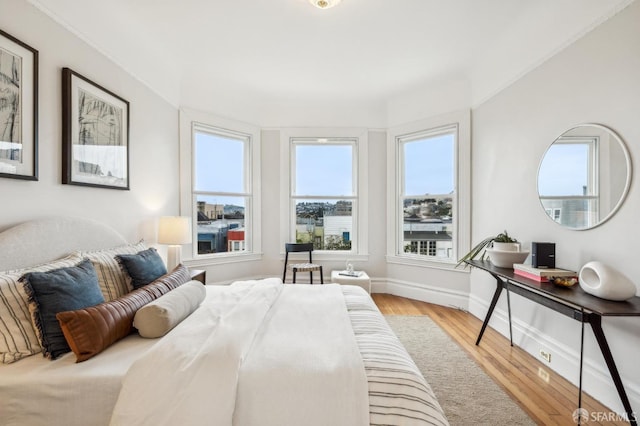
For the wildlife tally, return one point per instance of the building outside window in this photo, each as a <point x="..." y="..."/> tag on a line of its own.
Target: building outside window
<point x="323" y="192"/>
<point x="222" y="190"/>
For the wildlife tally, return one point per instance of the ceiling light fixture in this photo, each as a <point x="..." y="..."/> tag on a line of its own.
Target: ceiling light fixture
<point x="324" y="4"/>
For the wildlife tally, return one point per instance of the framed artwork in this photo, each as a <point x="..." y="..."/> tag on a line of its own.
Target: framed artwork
<point x="95" y="134"/>
<point x="18" y="109"/>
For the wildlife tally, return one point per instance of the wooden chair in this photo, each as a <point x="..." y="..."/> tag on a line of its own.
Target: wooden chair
<point x="300" y="267"/>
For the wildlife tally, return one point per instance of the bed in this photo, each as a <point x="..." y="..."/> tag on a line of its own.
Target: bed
<point x="251" y="353"/>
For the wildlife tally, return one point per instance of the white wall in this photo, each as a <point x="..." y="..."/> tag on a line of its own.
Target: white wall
<point x="431" y="100"/>
<point x="243" y="105"/>
<point x="597" y="79"/>
<point x="153" y="137"/>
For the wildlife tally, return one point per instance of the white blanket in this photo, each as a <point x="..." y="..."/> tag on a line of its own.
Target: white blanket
<point x="261" y="354"/>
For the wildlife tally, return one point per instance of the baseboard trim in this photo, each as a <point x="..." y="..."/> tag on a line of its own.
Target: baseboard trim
<point x="422" y="292"/>
<point x="566" y="359"/>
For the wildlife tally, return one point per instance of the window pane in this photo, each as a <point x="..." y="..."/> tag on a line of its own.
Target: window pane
<point x="428" y="226"/>
<point x="221" y="224"/>
<point x="323" y="169"/>
<point x="219" y="163"/>
<point x="429" y="165"/>
<point x="565" y="170"/>
<point x="327" y="224"/>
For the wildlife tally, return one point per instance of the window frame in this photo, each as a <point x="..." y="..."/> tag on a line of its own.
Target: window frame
<point x="296" y="197"/>
<point x="402" y="141"/>
<point x="461" y="226"/>
<point x="190" y="122"/>
<point x="593" y="183"/>
<point x="245" y="194"/>
<point x="359" y="138"/>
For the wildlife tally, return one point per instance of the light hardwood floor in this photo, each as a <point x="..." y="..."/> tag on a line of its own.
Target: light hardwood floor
<point x="548" y="398"/>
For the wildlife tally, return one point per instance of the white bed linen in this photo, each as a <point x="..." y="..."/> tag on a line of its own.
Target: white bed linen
<point x="38" y="392"/>
<point x="309" y="372"/>
<point x="260" y="354"/>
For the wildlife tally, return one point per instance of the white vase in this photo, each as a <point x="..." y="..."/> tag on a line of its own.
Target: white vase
<point x="506" y="246"/>
<point x="603" y="281"/>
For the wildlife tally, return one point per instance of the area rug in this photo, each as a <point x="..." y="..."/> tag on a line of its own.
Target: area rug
<point x="467" y="395"/>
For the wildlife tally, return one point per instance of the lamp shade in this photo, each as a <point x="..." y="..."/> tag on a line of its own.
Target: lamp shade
<point x="174" y="230"/>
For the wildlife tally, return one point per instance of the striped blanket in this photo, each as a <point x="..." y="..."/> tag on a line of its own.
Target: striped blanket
<point x="398" y="393"/>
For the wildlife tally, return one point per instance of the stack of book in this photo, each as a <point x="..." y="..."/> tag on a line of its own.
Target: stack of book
<point x="541" y="274"/>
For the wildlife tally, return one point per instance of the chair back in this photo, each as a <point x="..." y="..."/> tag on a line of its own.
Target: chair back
<point x="298" y="248"/>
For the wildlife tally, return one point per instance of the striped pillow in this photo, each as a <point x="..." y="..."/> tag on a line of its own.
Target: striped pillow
<point x="18" y="338"/>
<point x="114" y="282"/>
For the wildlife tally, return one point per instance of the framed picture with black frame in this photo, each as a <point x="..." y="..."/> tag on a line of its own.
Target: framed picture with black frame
<point x="18" y="109"/>
<point x="95" y="134"/>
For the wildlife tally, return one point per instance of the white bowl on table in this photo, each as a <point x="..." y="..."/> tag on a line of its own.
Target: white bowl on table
<point x="506" y="259"/>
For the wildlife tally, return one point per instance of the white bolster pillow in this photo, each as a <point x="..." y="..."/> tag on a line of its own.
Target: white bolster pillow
<point x="157" y="318"/>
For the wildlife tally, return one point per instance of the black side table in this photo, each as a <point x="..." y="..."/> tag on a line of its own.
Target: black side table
<point x="199" y="275"/>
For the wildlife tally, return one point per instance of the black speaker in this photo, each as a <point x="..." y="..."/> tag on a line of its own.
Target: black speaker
<point x="543" y="255"/>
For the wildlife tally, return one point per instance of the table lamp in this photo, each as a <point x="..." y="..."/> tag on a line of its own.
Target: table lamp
<point x="174" y="231"/>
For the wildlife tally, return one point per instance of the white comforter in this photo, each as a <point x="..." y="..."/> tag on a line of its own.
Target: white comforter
<point x="261" y="354"/>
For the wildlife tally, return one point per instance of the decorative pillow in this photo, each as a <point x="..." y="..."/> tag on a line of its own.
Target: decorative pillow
<point x="55" y="291"/>
<point x="176" y="278"/>
<point x="18" y="338"/>
<point x="143" y="267"/>
<point x="91" y="330"/>
<point x="157" y="318"/>
<point x="114" y="282"/>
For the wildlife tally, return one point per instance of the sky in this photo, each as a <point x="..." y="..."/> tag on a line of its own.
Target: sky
<point x="429" y="167"/>
<point x="335" y="177"/>
<point x="219" y="163"/>
<point x="564" y="170"/>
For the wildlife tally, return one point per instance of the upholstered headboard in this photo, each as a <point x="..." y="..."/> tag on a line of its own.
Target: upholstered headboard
<point x="39" y="241"/>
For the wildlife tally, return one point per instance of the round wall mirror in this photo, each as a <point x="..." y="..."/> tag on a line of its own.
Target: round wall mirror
<point x="584" y="176"/>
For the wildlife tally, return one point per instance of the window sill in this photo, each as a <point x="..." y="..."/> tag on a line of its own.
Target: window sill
<point x="222" y="259"/>
<point x="425" y="263"/>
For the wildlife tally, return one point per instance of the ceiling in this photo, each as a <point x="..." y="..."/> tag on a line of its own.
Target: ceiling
<point x="276" y="52"/>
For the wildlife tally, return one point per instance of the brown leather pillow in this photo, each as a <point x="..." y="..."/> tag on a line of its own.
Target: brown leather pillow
<point x="91" y="330"/>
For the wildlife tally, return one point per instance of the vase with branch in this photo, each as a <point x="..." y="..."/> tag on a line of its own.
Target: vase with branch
<point x="503" y="241"/>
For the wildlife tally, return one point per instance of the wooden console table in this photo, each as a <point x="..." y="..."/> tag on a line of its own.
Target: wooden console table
<point x="572" y="302"/>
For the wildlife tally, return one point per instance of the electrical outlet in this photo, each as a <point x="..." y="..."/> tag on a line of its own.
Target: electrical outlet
<point x="545" y="355"/>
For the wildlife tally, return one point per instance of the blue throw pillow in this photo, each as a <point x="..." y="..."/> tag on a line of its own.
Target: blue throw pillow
<point x="59" y="290"/>
<point x="144" y="267"/>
